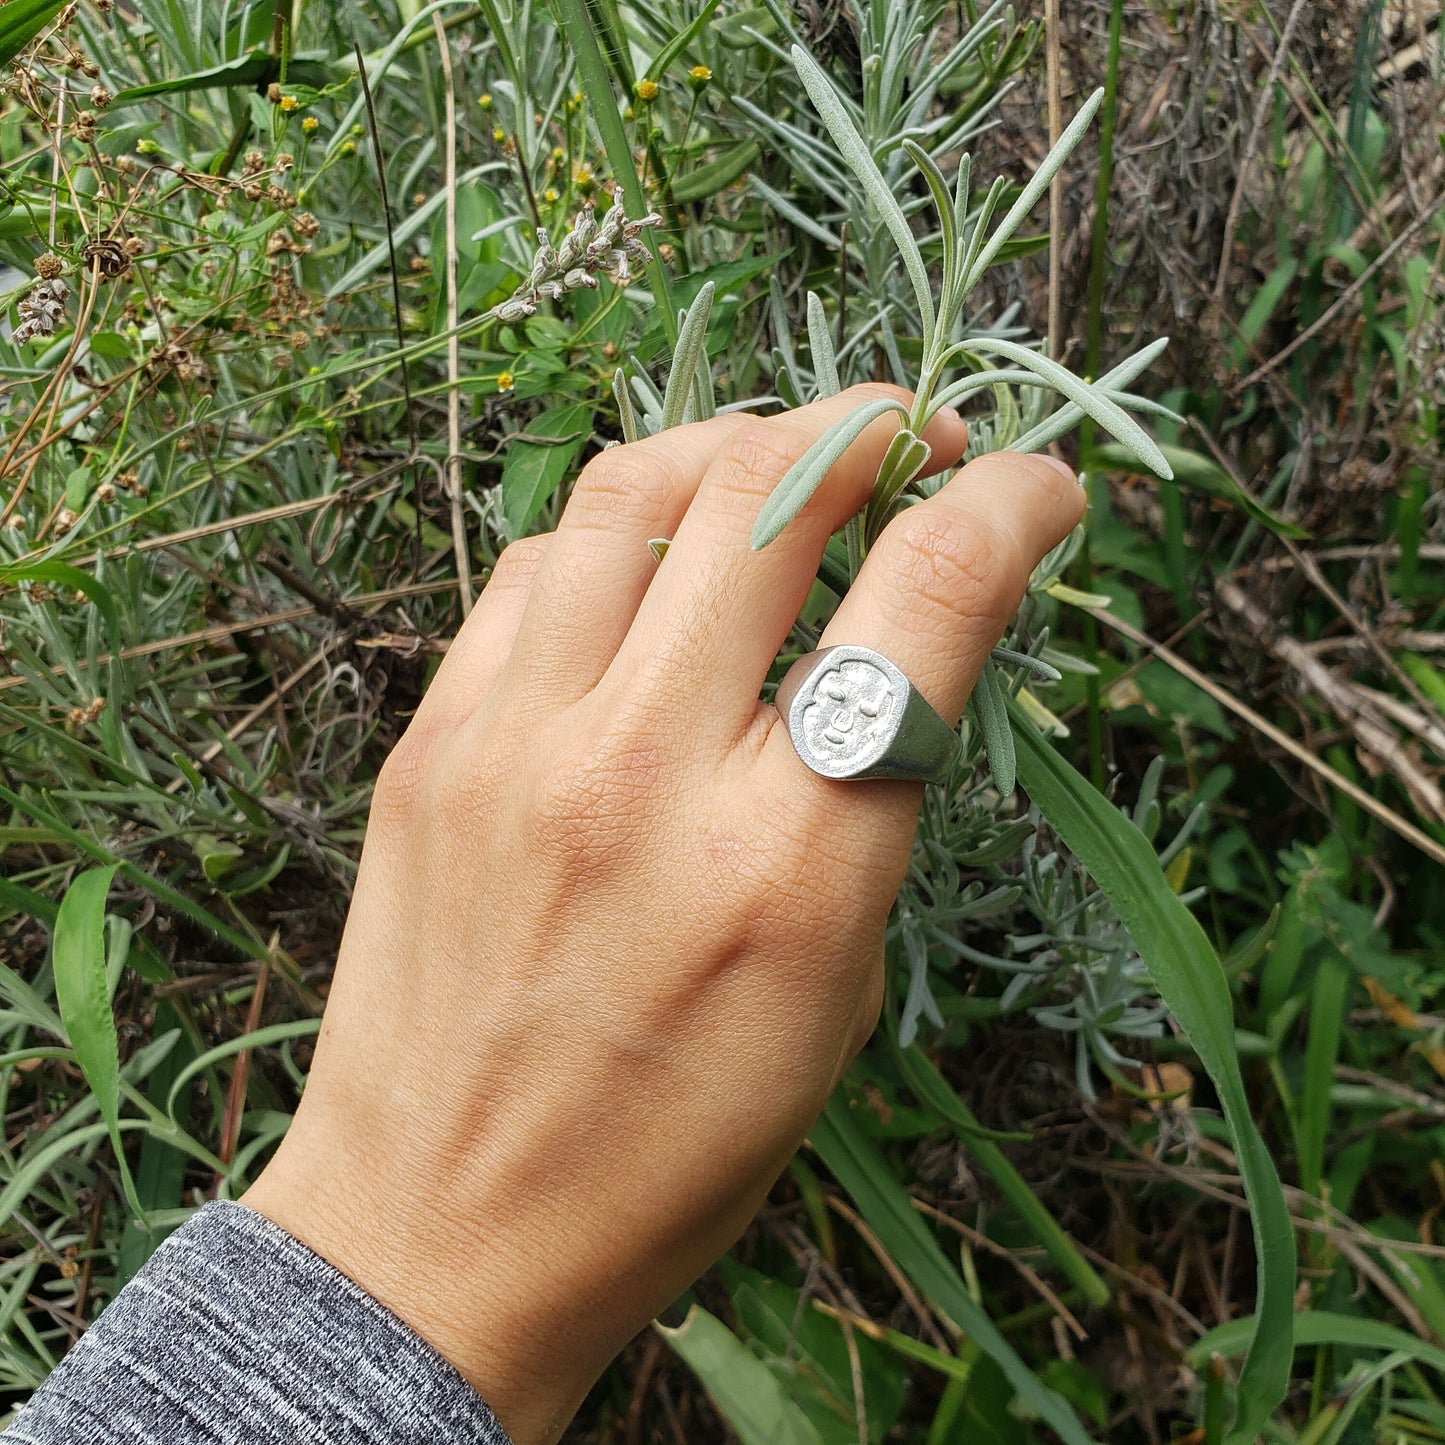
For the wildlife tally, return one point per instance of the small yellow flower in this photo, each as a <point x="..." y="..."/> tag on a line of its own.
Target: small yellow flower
<point x="645" y="90"/>
<point x="289" y="103"/>
<point x="582" y="176"/>
<point x="310" y="125"/>
<point x="699" y="75"/>
<point x="549" y="194"/>
<point x="485" y="100"/>
<point x="499" y="135"/>
<point x="504" y="381"/>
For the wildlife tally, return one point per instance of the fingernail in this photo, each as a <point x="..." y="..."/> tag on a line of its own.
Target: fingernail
<point x="1063" y="468"/>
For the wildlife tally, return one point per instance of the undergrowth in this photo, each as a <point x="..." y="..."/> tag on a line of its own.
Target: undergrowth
<point x="288" y="360"/>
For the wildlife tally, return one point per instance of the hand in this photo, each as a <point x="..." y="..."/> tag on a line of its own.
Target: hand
<point x="612" y="944"/>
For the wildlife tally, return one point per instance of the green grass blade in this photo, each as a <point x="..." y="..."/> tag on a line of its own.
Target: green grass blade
<point x="1327" y="1017"/>
<point x="1188" y="975"/>
<point x="64" y="575"/>
<point x="934" y="1090"/>
<point x="576" y="25"/>
<point x="749" y="1396"/>
<point x="883" y="1203"/>
<point x="1319" y="1327"/>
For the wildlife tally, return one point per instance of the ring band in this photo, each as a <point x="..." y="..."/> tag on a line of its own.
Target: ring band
<point x="852" y="714"/>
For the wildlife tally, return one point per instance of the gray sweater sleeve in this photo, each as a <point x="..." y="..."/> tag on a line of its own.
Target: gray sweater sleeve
<point x="235" y="1333"/>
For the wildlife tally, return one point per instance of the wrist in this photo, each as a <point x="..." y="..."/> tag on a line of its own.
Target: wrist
<point x="431" y="1265"/>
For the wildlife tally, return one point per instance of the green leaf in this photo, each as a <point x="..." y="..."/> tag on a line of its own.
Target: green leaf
<point x="806" y="475"/>
<point x="1068" y="417"/>
<point x="534" y="470"/>
<point x="888" y="1211"/>
<point x="1318" y="1327"/>
<point x="1191" y="981"/>
<point x="83" y="996"/>
<point x="21" y="21"/>
<point x="855" y="151"/>
<point x="1198" y="474"/>
<point x="746" y="1392"/>
<point x="691" y="348"/>
<point x="1037" y="185"/>
<point x="596" y="84"/>
<point x="259" y="68"/>
<point x="67" y="576"/>
<point x="993" y="723"/>
<point x="707" y="180"/>
<point x="820" y="342"/>
<point x="1108" y="414"/>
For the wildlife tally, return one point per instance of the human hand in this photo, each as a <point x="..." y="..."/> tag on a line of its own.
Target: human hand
<point x="612" y="944"/>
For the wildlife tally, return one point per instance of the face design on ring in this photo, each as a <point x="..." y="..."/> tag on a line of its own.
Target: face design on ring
<point x="851" y="712"/>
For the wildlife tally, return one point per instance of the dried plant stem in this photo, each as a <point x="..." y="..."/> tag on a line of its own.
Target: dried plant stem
<point x="1226" y="699"/>
<point x="1345" y="297"/>
<point x="454" y="355"/>
<point x="1054" y="44"/>
<point x="395" y="285"/>
<point x="1256" y="128"/>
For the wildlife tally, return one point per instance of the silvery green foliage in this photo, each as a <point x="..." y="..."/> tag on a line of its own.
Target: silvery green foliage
<point x="970" y="242"/>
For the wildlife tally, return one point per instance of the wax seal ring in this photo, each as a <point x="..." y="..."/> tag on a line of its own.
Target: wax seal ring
<point x="852" y="714"/>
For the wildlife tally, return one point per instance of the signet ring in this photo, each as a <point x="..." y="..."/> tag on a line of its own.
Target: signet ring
<point x="852" y="714"/>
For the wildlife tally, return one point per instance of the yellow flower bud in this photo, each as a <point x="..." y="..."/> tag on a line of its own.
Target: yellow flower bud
<point x="645" y="90"/>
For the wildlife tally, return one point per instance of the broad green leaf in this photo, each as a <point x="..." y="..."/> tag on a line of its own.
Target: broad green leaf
<point x="21" y="21"/>
<point x="80" y="989"/>
<point x="888" y="1211"/>
<point x="1190" y="979"/>
<point x="746" y="1392"/>
<point x="806" y="475"/>
<point x="715" y="176"/>
<point x="534" y="470"/>
<point x="1198" y="474"/>
<point x="83" y="996"/>
<point x="258" y="68"/>
<point x="855" y="152"/>
<point x="1108" y="414"/>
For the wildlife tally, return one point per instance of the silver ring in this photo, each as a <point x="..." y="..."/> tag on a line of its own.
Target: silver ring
<point x="852" y="714"/>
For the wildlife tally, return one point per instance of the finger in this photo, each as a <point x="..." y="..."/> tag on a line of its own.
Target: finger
<point x="476" y="657"/>
<point x="711" y="624"/>
<point x="589" y="589"/>
<point x="938" y="590"/>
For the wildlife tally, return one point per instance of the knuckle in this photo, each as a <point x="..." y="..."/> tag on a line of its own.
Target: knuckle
<point x="947" y="565"/>
<point x="758" y="454"/>
<point x="618" y="488"/>
<point x="519" y="562"/>
<point x="403" y="778"/>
